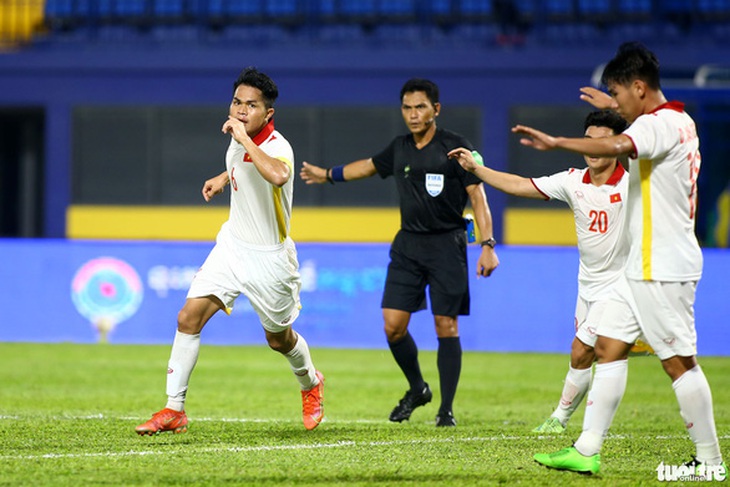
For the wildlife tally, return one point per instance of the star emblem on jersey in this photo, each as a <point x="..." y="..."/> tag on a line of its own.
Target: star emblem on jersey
<point x="615" y="198"/>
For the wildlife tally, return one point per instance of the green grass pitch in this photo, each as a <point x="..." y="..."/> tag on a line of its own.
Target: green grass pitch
<point x="68" y="412"/>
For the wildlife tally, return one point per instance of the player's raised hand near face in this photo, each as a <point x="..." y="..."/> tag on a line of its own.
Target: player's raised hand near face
<point x="597" y="98"/>
<point x="465" y="158"/>
<point x="312" y="174"/>
<point x="236" y="128"/>
<point x="535" y="139"/>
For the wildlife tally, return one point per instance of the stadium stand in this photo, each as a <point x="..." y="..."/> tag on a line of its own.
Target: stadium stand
<point x="485" y="21"/>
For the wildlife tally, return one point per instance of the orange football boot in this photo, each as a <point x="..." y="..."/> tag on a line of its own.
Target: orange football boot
<point x="313" y="404"/>
<point x="165" y="420"/>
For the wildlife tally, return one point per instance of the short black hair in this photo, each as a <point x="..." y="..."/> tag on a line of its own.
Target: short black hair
<point x="632" y="61"/>
<point x="606" y="118"/>
<point x="251" y="76"/>
<point x="420" y="84"/>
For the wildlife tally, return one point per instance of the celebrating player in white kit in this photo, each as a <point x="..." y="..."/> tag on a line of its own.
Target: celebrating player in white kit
<point x="664" y="263"/>
<point x="597" y="195"/>
<point x="253" y="255"/>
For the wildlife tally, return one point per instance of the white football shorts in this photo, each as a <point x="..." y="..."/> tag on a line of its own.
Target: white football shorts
<point x="664" y="314"/>
<point x="267" y="276"/>
<point x="590" y="314"/>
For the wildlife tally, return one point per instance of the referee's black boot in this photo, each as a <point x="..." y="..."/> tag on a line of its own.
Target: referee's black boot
<point x="445" y="418"/>
<point x="410" y="401"/>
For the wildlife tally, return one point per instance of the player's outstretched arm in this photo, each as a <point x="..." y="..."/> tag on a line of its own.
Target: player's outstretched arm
<point x="311" y="174"/>
<point x="535" y="139"/>
<point x="597" y="98"/>
<point x="614" y="146"/>
<point x="215" y="186"/>
<point x="505" y="182"/>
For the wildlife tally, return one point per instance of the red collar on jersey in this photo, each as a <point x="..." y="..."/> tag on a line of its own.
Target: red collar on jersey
<point x="261" y="137"/>
<point x="677" y="106"/>
<point x="613" y="180"/>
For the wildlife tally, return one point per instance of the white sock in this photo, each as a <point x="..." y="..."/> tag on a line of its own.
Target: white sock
<point x="301" y="364"/>
<point x="577" y="382"/>
<point x="184" y="355"/>
<point x="609" y="384"/>
<point x="695" y="405"/>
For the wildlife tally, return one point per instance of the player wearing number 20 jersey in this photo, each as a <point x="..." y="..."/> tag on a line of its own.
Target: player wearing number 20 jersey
<point x="599" y="221"/>
<point x="597" y="195"/>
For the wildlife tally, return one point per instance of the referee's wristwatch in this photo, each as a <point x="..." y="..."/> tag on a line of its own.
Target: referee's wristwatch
<point x="490" y="242"/>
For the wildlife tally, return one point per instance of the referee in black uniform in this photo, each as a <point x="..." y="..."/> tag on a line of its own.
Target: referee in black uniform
<point x="430" y="248"/>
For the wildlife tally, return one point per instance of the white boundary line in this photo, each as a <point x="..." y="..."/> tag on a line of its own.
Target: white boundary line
<point x="313" y="446"/>
<point x="264" y="448"/>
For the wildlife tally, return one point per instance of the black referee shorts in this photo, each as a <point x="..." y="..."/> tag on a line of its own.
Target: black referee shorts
<point x="434" y="260"/>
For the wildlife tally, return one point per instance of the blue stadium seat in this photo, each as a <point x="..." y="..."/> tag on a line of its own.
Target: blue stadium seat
<point x="397" y="10"/>
<point x="713" y="10"/>
<point x="282" y="7"/>
<point x="213" y="7"/>
<point x="252" y="9"/>
<point x="357" y="7"/>
<point x="595" y="9"/>
<point x="635" y="9"/>
<point x="59" y="8"/>
<point x="677" y="6"/>
<point x="285" y="12"/>
<point x="357" y="11"/>
<point x="65" y="14"/>
<point x="129" y="8"/>
<point x="169" y="8"/>
<point x="528" y="9"/>
<point x="325" y="9"/>
<point x="475" y="10"/>
<point x="559" y="10"/>
<point x="442" y="12"/>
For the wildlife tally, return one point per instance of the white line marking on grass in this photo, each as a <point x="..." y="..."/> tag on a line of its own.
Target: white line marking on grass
<point x="263" y="448"/>
<point x="238" y="449"/>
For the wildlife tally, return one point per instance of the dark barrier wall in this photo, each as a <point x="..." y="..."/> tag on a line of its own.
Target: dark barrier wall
<point x="491" y="80"/>
<point x="161" y="155"/>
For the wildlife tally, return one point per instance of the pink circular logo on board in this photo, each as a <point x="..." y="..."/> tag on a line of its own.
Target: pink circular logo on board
<point x="106" y="289"/>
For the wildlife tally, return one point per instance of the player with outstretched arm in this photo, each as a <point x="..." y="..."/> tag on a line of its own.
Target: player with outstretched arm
<point x="597" y="195"/>
<point x="664" y="262"/>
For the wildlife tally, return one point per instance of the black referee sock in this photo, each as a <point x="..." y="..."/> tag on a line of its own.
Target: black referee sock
<point x="449" y="364"/>
<point x="405" y="353"/>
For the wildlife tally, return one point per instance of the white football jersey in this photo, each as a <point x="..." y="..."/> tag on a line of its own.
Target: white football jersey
<point x="260" y="212"/>
<point x="663" y="195"/>
<point x="599" y="225"/>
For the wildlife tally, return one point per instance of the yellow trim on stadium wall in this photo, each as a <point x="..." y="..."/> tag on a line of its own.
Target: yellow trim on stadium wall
<point x="525" y="226"/>
<point x="521" y="226"/>
<point x="203" y="223"/>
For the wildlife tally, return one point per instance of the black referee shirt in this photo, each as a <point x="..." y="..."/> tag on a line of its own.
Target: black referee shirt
<point x="431" y="187"/>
